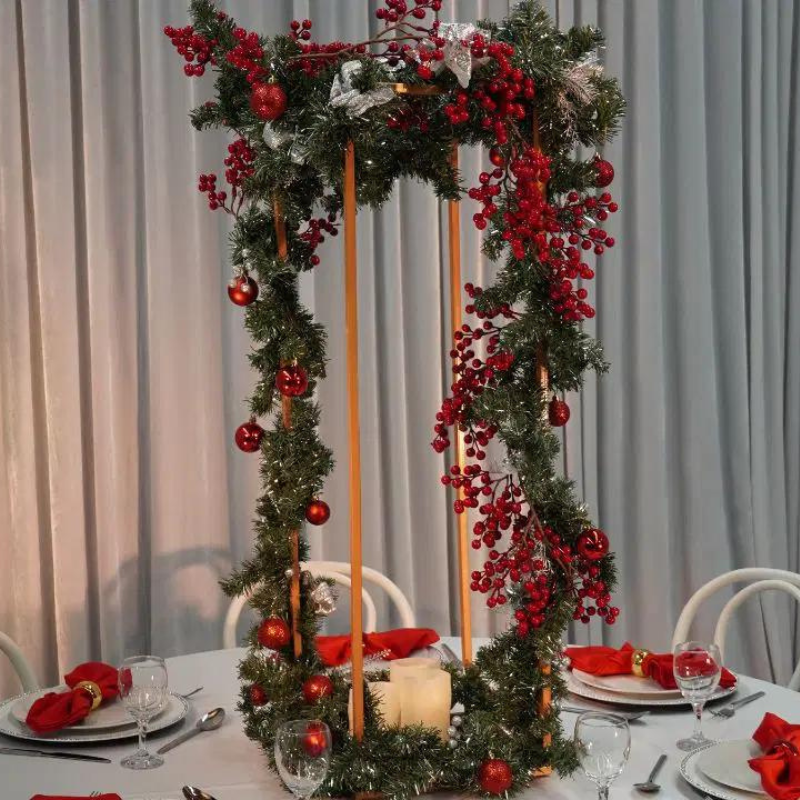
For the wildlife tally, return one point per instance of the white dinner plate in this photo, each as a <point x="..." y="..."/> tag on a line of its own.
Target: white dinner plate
<point x="625" y="684"/>
<point x="726" y="763"/>
<point x="581" y="689"/>
<point x="111" y="714"/>
<point x="695" y="777"/>
<point x="175" y="710"/>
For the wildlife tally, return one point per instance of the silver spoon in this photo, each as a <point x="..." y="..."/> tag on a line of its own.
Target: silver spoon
<point x="190" y="793"/>
<point x="650" y="786"/>
<point x="208" y="722"/>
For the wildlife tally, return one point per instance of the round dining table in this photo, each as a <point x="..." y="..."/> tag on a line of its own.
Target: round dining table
<point x="228" y="766"/>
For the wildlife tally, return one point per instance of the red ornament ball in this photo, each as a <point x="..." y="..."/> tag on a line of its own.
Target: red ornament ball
<point x="495" y="776"/>
<point x="318" y="512"/>
<point x="274" y="633"/>
<point x="592" y="544"/>
<point x="317" y="687"/>
<point x="248" y="436"/>
<point x="291" y="380"/>
<point x="243" y="290"/>
<point x="604" y="172"/>
<point x="496" y="157"/>
<point x="316" y="739"/>
<point x="258" y="697"/>
<point x="268" y="101"/>
<point x="558" y="412"/>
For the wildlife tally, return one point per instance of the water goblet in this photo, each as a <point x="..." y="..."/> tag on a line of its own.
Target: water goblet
<point x="302" y="755"/>
<point x="697" y="667"/>
<point x="143" y="689"/>
<point x="604" y="744"/>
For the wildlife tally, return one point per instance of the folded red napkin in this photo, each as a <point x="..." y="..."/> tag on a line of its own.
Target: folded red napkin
<point x="779" y="767"/>
<point x="73" y="797"/>
<point x="335" y="650"/>
<point x="56" y="710"/>
<point x="610" y="661"/>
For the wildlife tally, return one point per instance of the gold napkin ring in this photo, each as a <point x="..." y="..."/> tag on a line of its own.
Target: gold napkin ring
<point x="94" y="691"/>
<point x="637" y="662"/>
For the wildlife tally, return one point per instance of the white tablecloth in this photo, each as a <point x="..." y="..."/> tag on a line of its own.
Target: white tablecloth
<point x="231" y="767"/>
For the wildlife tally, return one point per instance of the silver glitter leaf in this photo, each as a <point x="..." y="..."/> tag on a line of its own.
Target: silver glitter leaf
<point x="345" y="95"/>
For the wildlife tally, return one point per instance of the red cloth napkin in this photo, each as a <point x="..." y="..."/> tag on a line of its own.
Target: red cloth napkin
<point x="56" y="710"/>
<point x="73" y="797"/>
<point x="779" y="767"/>
<point x="335" y="650"/>
<point x="610" y="661"/>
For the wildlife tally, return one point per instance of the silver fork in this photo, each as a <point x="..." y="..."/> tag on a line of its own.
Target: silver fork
<point x="731" y="709"/>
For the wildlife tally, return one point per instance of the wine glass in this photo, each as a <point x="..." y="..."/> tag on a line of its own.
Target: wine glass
<point x="302" y="755"/>
<point x="143" y="688"/>
<point x="604" y="744"/>
<point x="697" y="667"/>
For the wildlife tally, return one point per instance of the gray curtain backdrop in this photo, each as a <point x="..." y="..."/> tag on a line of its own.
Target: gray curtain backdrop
<point x="123" y="365"/>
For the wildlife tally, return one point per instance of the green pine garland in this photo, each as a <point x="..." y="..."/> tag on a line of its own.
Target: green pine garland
<point x="407" y="137"/>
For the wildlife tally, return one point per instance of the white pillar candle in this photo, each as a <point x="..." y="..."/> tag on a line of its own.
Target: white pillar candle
<point x="426" y="699"/>
<point x="387" y="702"/>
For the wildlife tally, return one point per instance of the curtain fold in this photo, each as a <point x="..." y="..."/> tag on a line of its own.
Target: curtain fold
<point x="123" y="366"/>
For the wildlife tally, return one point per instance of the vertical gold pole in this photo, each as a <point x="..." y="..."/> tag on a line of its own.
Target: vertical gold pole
<point x="454" y="241"/>
<point x="351" y="325"/>
<point x="286" y="415"/>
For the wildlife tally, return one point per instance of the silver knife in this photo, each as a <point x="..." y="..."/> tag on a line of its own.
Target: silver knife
<point x="453" y="658"/>
<point x="25" y="751"/>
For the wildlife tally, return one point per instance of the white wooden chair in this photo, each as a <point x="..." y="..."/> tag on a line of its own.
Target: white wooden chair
<point x="19" y="663"/>
<point x="760" y="580"/>
<point x="339" y="572"/>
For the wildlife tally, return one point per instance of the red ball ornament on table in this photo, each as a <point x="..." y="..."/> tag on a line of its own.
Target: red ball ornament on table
<point x="258" y="697"/>
<point x="317" y="687"/>
<point x="315" y="739"/>
<point x="592" y="544"/>
<point x="604" y="172"/>
<point x="558" y="412"/>
<point x="495" y="776"/>
<point x="318" y="512"/>
<point x="291" y="380"/>
<point x="268" y="101"/>
<point x="243" y="290"/>
<point x="274" y="633"/>
<point x="248" y="436"/>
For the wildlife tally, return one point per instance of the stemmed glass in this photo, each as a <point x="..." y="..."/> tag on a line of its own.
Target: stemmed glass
<point x="604" y="744"/>
<point x="302" y="755"/>
<point x="143" y="689"/>
<point x="697" y="667"/>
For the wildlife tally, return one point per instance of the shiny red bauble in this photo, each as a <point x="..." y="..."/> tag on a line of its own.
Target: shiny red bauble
<point x="291" y="380"/>
<point x="268" y="101"/>
<point x="248" y="436"/>
<point x="258" y="697"/>
<point x="557" y="412"/>
<point x="604" y="172"/>
<point x="318" y="512"/>
<point x="274" y="633"/>
<point x="592" y="544"/>
<point x="315" y="739"/>
<point x="243" y="290"/>
<point x="495" y="776"/>
<point x="496" y="157"/>
<point x="317" y="687"/>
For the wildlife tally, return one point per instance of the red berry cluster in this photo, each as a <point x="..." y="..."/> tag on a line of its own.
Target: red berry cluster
<point x="313" y="234"/>
<point x="248" y="55"/>
<point x="500" y="99"/>
<point x="411" y="115"/>
<point x="300" y="30"/>
<point x="239" y="164"/>
<point x="207" y="184"/>
<point x="593" y="597"/>
<point x="313" y="55"/>
<point x="396" y="10"/>
<point x="194" y="47"/>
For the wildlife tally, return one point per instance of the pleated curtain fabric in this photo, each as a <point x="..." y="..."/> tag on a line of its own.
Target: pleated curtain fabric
<point x="123" y="366"/>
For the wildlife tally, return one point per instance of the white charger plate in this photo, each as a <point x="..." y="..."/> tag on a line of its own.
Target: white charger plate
<point x="625" y="684"/>
<point x="695" y="777"/>
<point x="581" y="689"/>
<point x="175" y="710"/>
<point x="107" y="716"/>
<point x="726" y="763"/>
